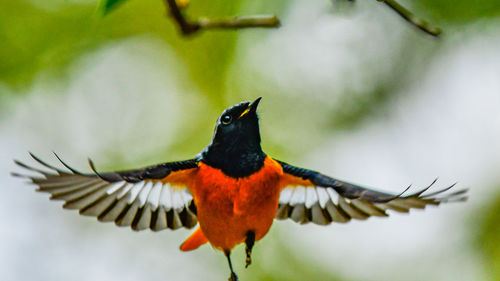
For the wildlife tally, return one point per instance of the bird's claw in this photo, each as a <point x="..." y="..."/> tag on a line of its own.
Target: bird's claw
<point x="248" y="261"/>
<point x="233" y="277"/>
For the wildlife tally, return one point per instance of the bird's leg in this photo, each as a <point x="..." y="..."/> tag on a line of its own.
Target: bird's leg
<point x="233" y="276"/>
<point x="188" y="26"/>
<point x="250" y="241"/>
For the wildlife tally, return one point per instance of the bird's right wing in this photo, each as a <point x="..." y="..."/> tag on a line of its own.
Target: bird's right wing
<point x="309" y="196"/>
<point x="155" y="197"/>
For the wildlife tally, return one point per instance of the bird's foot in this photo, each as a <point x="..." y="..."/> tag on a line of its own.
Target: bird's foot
<point x="249" y="241"/>
<point x="248" y="260"/>
<point x="233" y="277"/>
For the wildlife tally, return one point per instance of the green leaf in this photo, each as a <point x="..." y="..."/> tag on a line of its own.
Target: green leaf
<point x="454" y="12"/>
<point x="108" y="5"/>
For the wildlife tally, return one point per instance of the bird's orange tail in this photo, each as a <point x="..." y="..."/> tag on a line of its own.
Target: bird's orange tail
<point x="194" y="241"/>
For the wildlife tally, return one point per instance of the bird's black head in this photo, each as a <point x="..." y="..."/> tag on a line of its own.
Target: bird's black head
<point x="235" y="146"/>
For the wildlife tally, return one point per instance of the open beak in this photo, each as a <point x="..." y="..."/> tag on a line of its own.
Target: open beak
<point x="252" y="107"/>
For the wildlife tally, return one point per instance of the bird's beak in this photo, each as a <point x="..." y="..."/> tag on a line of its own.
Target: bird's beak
<point x="252" y="107"/>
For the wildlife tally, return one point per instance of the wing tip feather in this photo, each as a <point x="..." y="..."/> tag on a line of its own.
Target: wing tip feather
<point x="74" y="171"/>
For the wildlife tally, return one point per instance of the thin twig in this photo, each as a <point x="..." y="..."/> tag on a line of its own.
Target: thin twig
<point x="264" y="21"/>
<point x="411" y="18"/>
<point x="191" y="26"/>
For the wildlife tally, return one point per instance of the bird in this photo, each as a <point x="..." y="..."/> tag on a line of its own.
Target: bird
<point x="232" y="190"/>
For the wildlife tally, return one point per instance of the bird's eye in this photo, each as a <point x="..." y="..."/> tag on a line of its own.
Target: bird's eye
<point x="226" y="119"/>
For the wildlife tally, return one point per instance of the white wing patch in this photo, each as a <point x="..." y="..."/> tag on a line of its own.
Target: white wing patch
<point x="324" y="205"/>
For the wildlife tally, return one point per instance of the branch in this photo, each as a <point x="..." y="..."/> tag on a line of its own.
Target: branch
<point x="185" y="26"/>
<point x="263" y="21"/>
<point x="191" y="26"/>
<point x="188" y="26"/>
<point x="411" y="18"/>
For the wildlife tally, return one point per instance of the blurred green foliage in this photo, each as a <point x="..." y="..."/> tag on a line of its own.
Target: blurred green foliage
<point x="49" y="40"/>
<point x="108" y="5"/>
<point x="28" y="47"/>
<point x="457" y="11"/>
<point x="36" y="39"/>
<point x="488" y="233"/>
<point x="77" y="28"/>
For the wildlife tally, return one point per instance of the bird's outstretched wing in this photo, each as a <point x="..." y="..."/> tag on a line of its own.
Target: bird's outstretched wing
<point x="309" y="196"/>
<point x="154" y="197"/>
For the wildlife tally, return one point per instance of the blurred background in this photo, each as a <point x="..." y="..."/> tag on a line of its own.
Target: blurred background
<point x="349" y="89"/>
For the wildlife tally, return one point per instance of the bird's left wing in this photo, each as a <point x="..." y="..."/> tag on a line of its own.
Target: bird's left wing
<point x="155" y="197"/>
<point x="309" y="196"/>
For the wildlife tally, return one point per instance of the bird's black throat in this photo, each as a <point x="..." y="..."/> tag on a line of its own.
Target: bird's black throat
<point x="237" y="162"/>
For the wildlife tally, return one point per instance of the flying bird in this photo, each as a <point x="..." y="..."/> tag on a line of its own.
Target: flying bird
<point x="232" y="190"/>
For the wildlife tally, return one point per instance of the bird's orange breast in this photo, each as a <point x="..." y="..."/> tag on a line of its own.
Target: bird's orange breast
<point x="227" y="207"/>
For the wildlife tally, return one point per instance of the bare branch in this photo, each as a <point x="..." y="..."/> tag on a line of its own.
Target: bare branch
<point x="191" y="26"/>
<point x="411" y="18"/>
<point x="188" y="26"/>
<point x="264" y="21"/>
